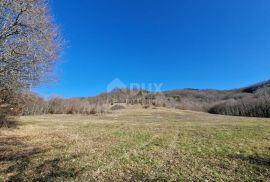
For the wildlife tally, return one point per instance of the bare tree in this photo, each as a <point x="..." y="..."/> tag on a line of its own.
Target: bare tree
<point x="29" y="46"/>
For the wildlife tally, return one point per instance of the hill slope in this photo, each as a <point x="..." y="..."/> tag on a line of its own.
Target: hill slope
<point x="252" y="101"/>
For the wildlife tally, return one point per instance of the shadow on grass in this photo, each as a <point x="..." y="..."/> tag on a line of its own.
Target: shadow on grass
<point x="254" y="159"/>
<point x="22" y="166"/>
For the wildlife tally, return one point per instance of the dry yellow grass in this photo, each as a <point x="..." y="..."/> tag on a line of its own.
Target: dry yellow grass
<point x="136" y="144"/>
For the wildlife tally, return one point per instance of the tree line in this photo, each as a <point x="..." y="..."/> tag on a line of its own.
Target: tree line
<point x="233" y="102"/>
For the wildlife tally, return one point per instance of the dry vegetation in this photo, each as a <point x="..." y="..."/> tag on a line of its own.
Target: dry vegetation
<point x="29" y="48"/>
<point x="136" y="144"/>
<point x="253" y="101"/>
<point x="114" y="140"/>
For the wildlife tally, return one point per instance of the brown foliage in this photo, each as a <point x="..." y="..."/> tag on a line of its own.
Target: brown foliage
<point x="249" y="107"/>
<point x="232" y="102"/>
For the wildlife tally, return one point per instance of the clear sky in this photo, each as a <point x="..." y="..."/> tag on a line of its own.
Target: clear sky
<point x="218" y="44"/>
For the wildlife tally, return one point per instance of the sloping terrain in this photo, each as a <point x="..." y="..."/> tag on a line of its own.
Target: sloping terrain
<point x="252" y="101"/>
<point x="135" y="144"/>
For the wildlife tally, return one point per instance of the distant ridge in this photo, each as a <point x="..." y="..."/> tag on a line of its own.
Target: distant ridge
<point x="255" y="87"/>
<point x="252" y="101"/>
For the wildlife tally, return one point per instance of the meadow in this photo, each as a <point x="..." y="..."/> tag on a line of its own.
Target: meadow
<point x="136" y="144"/>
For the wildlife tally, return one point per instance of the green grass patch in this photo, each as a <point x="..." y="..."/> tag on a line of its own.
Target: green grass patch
<point x="136" y="145"/>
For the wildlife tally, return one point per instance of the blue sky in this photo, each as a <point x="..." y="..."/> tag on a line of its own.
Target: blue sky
<point x="183" y="44"/>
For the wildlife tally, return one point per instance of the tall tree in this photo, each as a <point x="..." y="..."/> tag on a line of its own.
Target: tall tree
<point x="29" y="47"/>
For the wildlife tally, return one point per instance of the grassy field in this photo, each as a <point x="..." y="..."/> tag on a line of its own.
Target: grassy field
<point x="136" y="145"/>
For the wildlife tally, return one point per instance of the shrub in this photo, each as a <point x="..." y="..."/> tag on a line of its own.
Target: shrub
<point x="117" y="107"/>
<point x="146" y="106"/>
<point x="93" y="111"/>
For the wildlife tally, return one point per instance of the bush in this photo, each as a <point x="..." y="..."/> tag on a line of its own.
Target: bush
<point x="146" y="106"/>
<point x="117" y="107"/>
<point x="71" y="110"/>
<point x="93" y="111"/>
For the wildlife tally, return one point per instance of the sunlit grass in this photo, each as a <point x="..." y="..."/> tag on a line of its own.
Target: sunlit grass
<point x="136" y="145"/>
